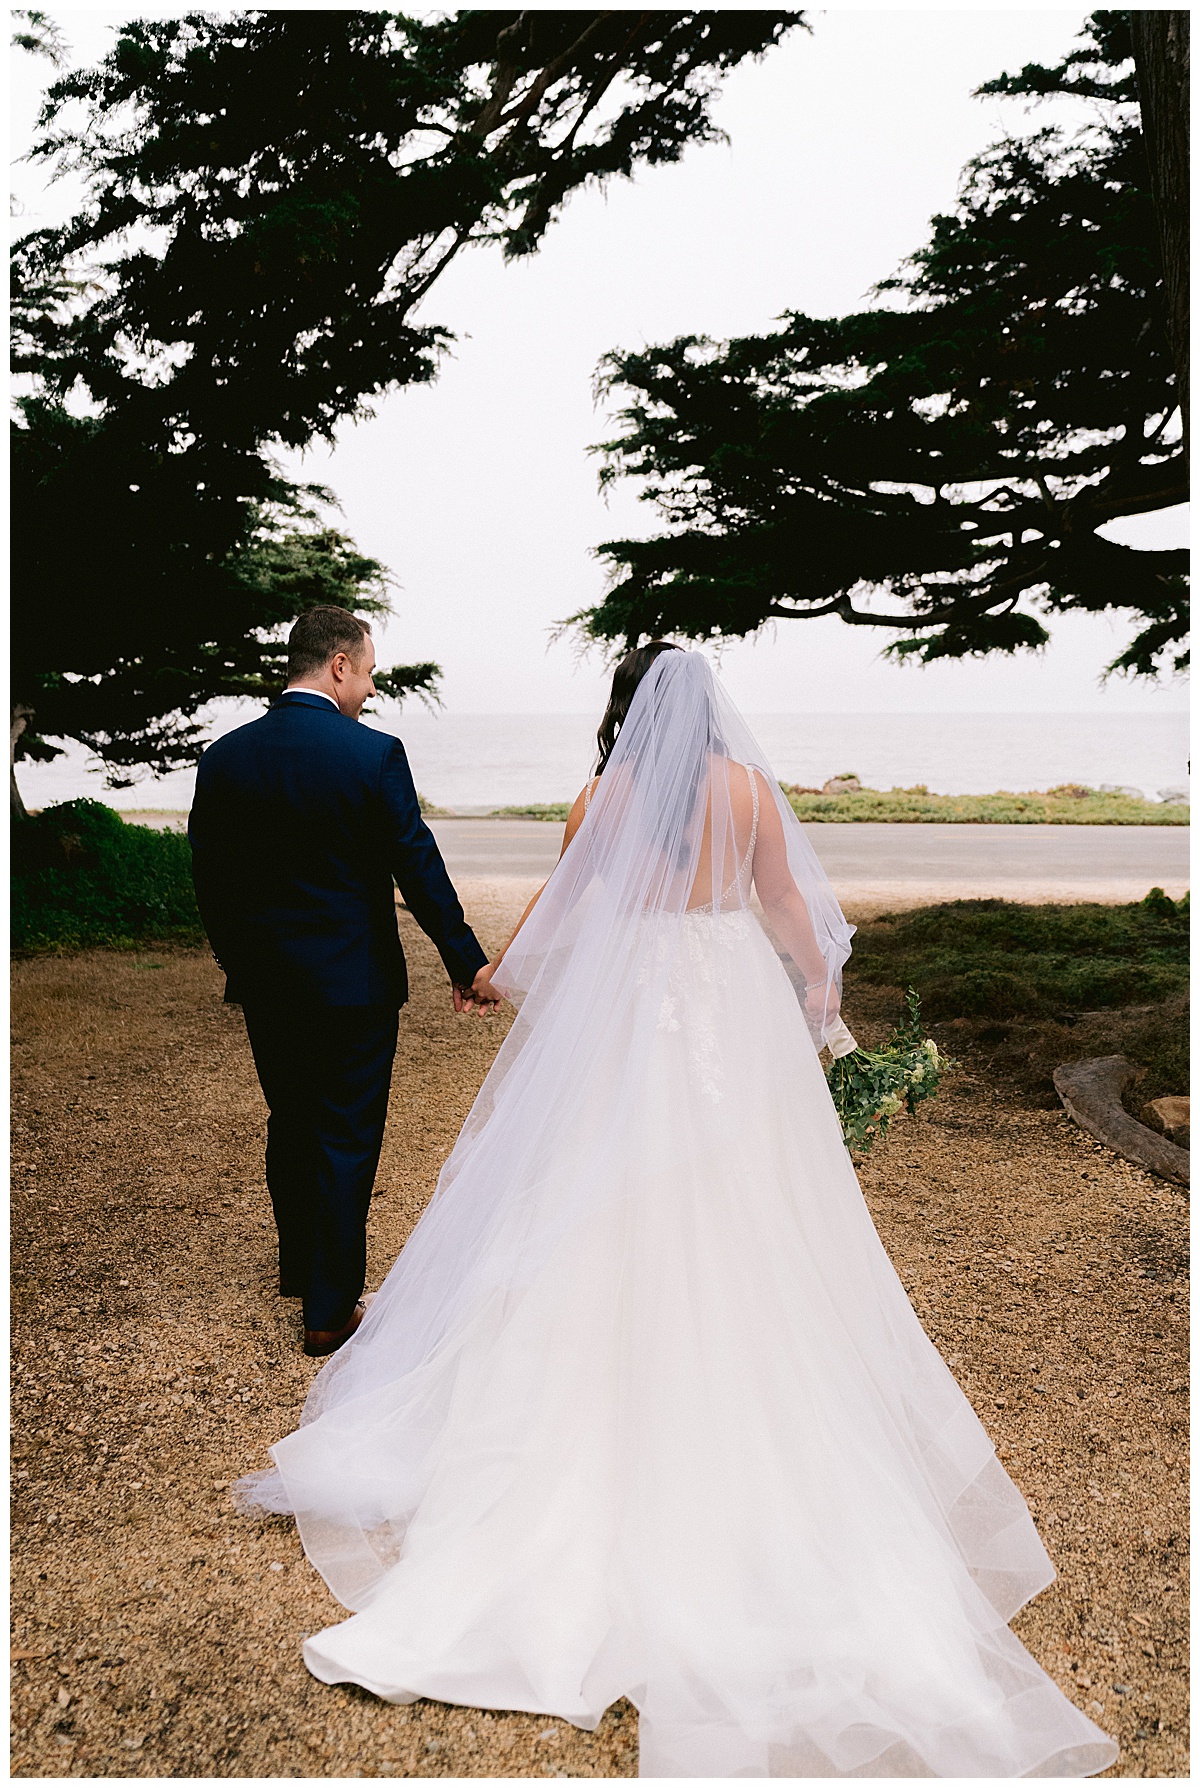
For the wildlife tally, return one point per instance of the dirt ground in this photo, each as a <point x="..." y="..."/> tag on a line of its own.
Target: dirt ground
<point x="157" y="1632"/>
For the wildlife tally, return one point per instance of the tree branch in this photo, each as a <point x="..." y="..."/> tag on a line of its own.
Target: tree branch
<point x="553" y="71"/>
<point x="601" y="85"/>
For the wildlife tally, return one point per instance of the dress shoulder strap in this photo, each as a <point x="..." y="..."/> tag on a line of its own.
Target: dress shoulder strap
<point x="752" y="773"/>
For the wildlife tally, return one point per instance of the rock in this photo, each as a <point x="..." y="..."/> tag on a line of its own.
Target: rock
<point x="1171" y="1117"/>
<point x="1175" y="797"/>
<point x="1091" y="1092"/>
<point x="842" y="785"/>
<point x="1121" y="788"/>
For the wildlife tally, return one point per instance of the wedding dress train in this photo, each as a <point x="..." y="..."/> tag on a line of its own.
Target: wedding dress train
<point x="657" y="1420"/>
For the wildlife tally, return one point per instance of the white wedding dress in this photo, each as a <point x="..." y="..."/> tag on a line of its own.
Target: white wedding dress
<point x="643" y="1410"/>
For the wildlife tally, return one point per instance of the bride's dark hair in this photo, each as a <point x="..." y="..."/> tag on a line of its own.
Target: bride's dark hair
<point x="626" y="678"/>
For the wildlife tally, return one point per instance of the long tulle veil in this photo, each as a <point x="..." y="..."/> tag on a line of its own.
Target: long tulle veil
<point x="661" y="838"/>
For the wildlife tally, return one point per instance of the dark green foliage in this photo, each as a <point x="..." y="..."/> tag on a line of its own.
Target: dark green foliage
<point x="942" y="466"/>
<point x="1067" y="805"/>
<point x="269" y="194"/>
<point x="1157" y="1042"/>
<point x="1000" y="960"/>
<point x="556" y="811"/>
<point x="307" y="175"/>
<point x="139" y="599"/>
<point x="81" y="876"/>
<point x="38" y="33"/>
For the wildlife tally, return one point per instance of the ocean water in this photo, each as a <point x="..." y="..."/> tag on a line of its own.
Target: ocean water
<point x="466" y="761"/>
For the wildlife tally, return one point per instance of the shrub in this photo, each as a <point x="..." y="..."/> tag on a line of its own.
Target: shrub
<point x="1068" y="805"/>
<point x="995" y="958"/>
<point x="81" y="876"/>
<point x="556" y="811"/>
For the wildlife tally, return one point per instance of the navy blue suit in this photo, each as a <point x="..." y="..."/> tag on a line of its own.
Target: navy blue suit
<point x="300" y="822"/>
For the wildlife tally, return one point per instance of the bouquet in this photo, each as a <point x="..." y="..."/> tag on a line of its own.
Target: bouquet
<point x="871" y="1086"/>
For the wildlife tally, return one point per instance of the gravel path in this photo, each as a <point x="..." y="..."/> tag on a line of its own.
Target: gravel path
<point x="157" y="1632"/>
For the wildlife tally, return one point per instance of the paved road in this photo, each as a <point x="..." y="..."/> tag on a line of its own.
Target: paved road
<point x="905" y="863"/>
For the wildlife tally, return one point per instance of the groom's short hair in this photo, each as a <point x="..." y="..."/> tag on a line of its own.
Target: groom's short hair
<point x="319" y="635"/>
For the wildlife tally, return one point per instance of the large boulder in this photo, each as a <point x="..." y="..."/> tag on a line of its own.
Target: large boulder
<point x="842" y="785"/>
<point x="1091" y="1092"/>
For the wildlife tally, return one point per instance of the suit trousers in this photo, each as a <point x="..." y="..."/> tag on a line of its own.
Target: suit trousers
<point x="325" y="1072"/>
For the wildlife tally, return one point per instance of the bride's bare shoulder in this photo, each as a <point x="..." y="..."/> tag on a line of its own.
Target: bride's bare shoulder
<point x="738" y="775"/>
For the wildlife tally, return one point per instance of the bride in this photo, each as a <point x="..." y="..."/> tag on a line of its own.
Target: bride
<point x="642" y="1409"/>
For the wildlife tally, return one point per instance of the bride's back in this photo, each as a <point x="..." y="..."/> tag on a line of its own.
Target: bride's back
<point x="731" y="792"/>
<point x="727" y="806"/>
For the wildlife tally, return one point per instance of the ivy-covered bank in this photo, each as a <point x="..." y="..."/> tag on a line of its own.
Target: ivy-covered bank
<point x="82" y="876"/>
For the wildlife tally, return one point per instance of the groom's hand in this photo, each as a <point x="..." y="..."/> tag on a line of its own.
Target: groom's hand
<point x="481" y="996"/>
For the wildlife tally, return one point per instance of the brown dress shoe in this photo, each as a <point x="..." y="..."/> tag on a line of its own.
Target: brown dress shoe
<point x="319" y="1342"/>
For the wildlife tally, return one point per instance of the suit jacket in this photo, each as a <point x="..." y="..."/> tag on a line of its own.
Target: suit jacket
<point x="300" y="822"/>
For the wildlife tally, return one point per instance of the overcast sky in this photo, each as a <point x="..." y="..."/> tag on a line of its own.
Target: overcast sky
<point x="479" y="492"/>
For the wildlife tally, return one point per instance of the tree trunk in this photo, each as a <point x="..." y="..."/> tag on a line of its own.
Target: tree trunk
<point x="1162" y="57"/>
<point x="21" y="716"/>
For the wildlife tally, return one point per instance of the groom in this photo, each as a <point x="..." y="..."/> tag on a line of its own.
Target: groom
<point x="300" y="822"/>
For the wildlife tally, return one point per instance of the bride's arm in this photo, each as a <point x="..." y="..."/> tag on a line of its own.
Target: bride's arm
<point x="481" y="987"/>
<point x="787" y="911"/>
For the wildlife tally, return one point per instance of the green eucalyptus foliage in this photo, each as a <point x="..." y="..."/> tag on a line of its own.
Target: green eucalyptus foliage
<point x="81" y="876"/>
<point x="872" y="1086"/>
<point x="943" y="464"/>
<point x="269" y="194"/>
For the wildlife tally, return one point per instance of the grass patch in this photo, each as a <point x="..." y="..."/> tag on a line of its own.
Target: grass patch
<point x="997" y="959"/>
<point x="82" y="877"/>
<point x="1070" y="805"/>
<point x="1017" y="990"/>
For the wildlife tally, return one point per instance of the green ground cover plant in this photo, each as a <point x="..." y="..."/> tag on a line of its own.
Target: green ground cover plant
<point x="998" y="959"/>
<point x="1069" y="805"/>
<point x="82" y="877"/>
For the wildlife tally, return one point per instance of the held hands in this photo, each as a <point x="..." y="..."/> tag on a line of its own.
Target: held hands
<point x="480" y="996"/>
